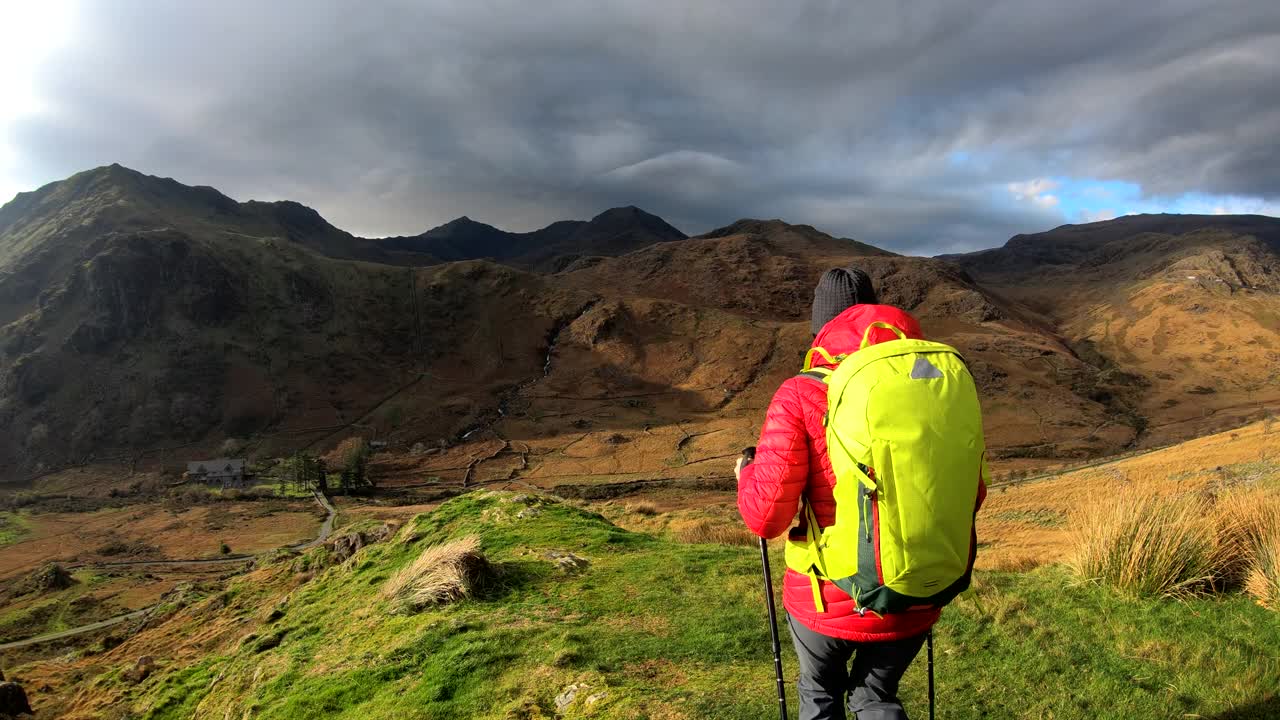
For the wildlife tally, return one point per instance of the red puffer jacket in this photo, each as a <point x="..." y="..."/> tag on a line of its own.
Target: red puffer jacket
<point x="791" y="463"/>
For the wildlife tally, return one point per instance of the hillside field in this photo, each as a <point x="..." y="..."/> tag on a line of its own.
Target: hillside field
<point x="665" y="620"/>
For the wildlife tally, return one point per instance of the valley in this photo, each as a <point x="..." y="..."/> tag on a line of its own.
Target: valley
<point x="601" y="375"/>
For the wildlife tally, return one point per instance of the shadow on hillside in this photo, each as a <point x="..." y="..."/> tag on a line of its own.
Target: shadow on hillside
<point x="511" y="577"/>
<point x="1261" y="710"/>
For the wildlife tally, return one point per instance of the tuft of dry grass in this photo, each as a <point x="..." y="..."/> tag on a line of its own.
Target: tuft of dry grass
<point x="1145" y="543"/>
<point x="1263" y="580"/>
<point x="442" y="573"/>
<point x="647" y="509"/>
<point x="708" y="532"/>
<point x="1250" y="534"/>
<point x="1248" y="523"/>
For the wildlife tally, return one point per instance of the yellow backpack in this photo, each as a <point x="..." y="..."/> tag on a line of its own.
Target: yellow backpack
<point x="904" y="432"/>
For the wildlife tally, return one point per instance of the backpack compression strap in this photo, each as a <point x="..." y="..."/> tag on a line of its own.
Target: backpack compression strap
<point x="808" y="358"/>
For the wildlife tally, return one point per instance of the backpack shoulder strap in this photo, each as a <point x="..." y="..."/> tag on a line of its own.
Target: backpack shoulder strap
<point x="821" y="374"/>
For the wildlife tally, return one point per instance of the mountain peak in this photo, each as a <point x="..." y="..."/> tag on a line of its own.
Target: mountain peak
<point x="776" y="230"/>
<point x="461" y="225"/>
<point x="622" y="212"/>
<point x="631" y="219"/>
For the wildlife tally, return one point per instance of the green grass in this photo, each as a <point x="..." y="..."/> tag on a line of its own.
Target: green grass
<point x="13" y="527"/>
<point x="678" y="631"/>
<point x="1042" y="517"/>
<point x="56" y="611"/>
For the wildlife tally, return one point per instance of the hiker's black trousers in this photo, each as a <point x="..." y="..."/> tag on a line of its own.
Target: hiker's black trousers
<point x="871" y="684"/>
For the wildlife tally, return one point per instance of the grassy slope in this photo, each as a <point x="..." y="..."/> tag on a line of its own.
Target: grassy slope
<point x="634" y="626"/>
<point x="13" y="527"/>
<point x="1027" y="525"/>
<point x="80" y="604"/>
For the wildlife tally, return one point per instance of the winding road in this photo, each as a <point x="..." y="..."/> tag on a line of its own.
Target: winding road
<point x="326" y="529"/>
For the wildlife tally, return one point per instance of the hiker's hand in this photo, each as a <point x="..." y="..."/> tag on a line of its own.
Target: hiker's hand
<point x="748" y="454"/>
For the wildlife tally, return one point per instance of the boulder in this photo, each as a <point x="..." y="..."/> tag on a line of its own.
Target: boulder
<point x="141" y="669"/>
<point x="48" y="578"/>
<point x="566" y="698"/>
<point x="347" y="545"/>
<point x="567" y="562"/>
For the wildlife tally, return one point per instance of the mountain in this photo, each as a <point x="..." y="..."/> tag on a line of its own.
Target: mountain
<point x="142" y="320"/>
<point x="137" y="313"/>
<point x="1184" y="308"/>
<point x="46" y="229"/>
<point x="1134" y="243"/>
<point x="612" y="232"/>
<point x="1041" y="399"/>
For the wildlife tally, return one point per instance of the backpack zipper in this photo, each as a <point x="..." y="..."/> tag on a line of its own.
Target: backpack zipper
<point x="866" y="512"/>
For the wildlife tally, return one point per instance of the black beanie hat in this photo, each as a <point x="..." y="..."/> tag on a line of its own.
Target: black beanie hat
<point x="838" y="290"/>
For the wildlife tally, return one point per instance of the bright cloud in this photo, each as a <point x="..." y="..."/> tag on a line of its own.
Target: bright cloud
<point x="1035" y="191"/>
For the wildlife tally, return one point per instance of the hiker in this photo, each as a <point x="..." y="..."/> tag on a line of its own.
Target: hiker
<point x="791" y="475"/>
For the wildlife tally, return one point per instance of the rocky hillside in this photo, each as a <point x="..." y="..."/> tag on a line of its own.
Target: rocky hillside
<point x="45" y="232"/>
<point x="1041" y="398"/>
<point x="142" y="320"/>
<point x="1185" y="309"/>
<point x="137" y="313"/>
<point x="1132" y="243"/>
<point x="135" y="320"/>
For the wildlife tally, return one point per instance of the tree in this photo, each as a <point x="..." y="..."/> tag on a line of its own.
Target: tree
<point x="303" y="472"/>
<point x="353" y="461"/>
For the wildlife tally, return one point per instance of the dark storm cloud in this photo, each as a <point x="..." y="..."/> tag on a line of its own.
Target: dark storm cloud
<point x="899" y="124"/>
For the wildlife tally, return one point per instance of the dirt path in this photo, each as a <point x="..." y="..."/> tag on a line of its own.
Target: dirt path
<point x="77" y="630"/>
<point x="1111" y="460"/>
<point x="326" y="529"/>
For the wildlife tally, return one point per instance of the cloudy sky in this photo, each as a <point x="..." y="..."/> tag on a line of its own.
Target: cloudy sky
<point x="923" y="127"/>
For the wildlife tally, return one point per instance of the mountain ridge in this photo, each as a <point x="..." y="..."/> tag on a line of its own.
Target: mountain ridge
<point x="137" y="313"/>
<point x="615" y="231"/>
<point x="1071" y="244"/>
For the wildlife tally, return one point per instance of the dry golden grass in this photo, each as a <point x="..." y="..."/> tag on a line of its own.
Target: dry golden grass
<point x="1248" y="524"/>
<point x="442" y="573"/>
<point x="712" y="533"/>
<point x="1263" y="580"/>
<point x="1217" y="464"/>
<point x="1145" y="543"/>
<point x="643" y="508"/>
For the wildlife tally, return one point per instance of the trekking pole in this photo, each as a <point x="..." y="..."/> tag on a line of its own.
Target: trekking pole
<point x="930" y="641"/>
<point x="773" y="630"/>
<point x="750" y="454"/>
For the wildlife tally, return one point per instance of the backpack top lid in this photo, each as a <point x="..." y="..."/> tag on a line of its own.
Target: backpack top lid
<point x="819" y="358"/>
<point x="844" y="334"/>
